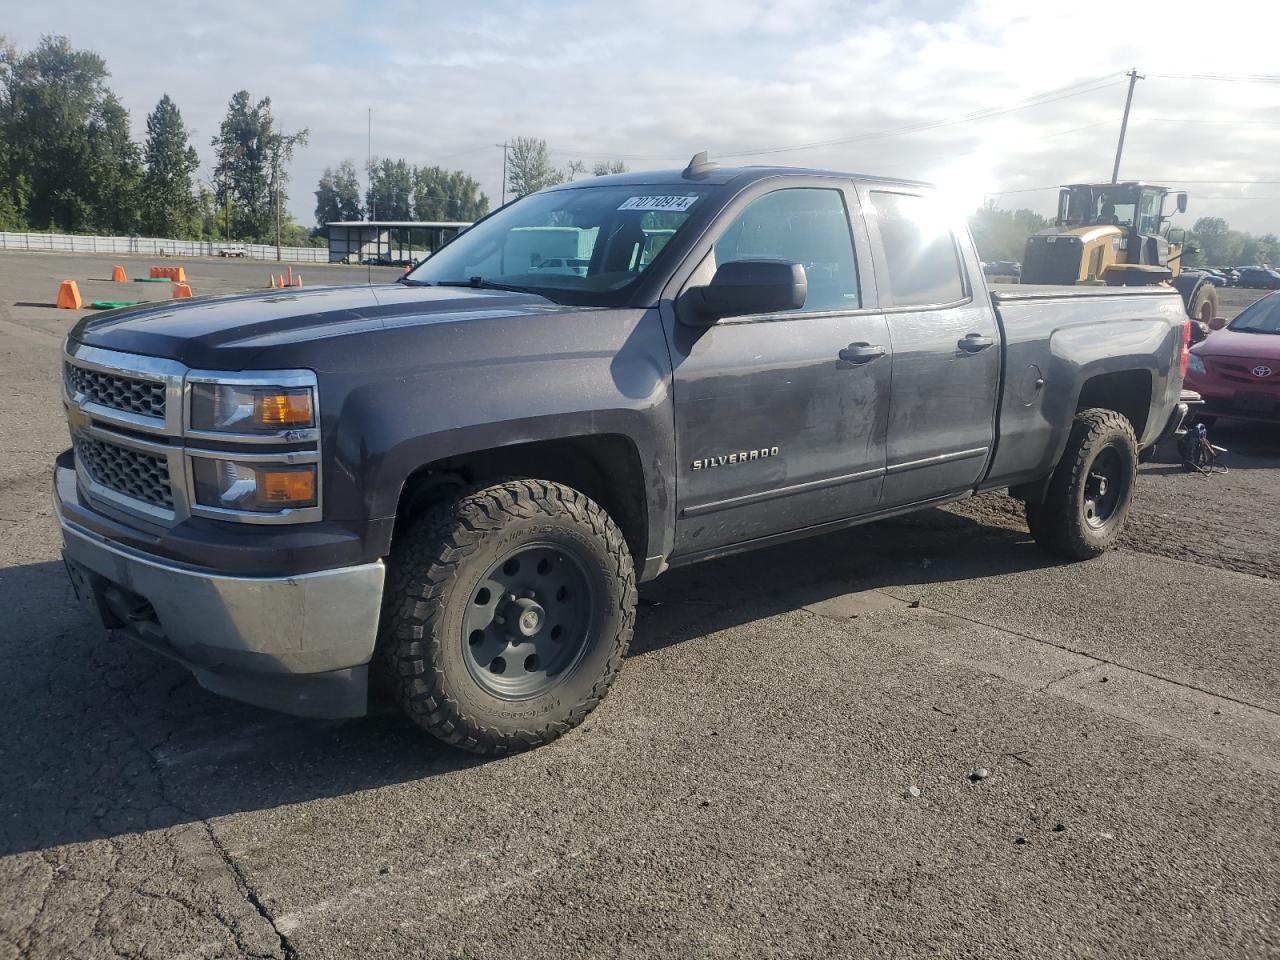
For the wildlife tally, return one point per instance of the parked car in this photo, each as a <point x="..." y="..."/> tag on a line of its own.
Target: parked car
<point x="1210" y="276"/>
<point x="1258" y="278"/>
<point x="457" y="479"/>
<point x="1236" y="369"/>
<point x="1003" y="268"/>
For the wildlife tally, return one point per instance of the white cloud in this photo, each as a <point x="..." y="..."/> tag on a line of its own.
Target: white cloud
<point x="654" y="82"/>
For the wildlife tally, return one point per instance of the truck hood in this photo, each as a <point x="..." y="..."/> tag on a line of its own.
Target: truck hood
<point x="1243" y="346"/>
<point x="228" y="333"/>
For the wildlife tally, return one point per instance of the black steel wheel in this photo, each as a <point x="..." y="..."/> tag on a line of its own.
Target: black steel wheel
<point x="1104" y="487"/>
<point x="1087" y="503"/>
<point x="528" y="621"/>
<point x="506" y="614"/>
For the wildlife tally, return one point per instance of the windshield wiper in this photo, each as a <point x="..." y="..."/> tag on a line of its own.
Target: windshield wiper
<point x="479" y="283"/>
<point x="410" y="282"/>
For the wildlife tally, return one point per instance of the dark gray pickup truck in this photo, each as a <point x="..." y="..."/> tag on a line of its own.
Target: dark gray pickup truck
<point x="455" y="482"/>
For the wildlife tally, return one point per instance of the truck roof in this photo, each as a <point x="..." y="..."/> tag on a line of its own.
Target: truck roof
<point x="721" y="175"/>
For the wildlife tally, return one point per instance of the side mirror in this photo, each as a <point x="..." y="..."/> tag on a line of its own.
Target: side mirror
<point x="1199" y="331"/>
<point x="1177" y="235"/>
<point x="1217" y="323"/>
<point x="1182" y="201"/>
<point x="742" y="287"/>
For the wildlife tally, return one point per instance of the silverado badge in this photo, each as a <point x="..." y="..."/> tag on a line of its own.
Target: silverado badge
<point x="728" y="459"/>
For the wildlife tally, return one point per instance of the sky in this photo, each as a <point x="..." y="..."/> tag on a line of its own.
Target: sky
<point x="998" y="99"/>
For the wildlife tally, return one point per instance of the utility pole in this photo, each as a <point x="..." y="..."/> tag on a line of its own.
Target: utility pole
<point x="1124" y="124"/>
<point x="226" y="204"/>
<point x="368" y="170"/>
<point x="503" y="145"/>
<point x="277" y="158"/>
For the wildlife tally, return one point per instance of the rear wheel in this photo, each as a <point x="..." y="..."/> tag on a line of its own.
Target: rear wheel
<point x="1089" y="496"/>
<point x="1204" y="303"/>
<point x="507" y="615"/>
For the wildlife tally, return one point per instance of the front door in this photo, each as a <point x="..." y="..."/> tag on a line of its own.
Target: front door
<point x="780" y="418"/>
<point x="946" y="351"/>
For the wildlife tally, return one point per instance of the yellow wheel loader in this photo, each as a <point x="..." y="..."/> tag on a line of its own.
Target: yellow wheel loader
<point x="1117" y="234"/>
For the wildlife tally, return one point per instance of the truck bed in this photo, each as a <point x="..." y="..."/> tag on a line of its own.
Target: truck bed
<point x="1055" y="339"/>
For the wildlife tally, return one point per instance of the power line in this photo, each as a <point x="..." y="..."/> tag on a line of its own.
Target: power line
<point x="1037" y="100"/>
<point x="1223" y="77"/>
<point x="1197" y="121"/>
<point x="1076" y="89"/>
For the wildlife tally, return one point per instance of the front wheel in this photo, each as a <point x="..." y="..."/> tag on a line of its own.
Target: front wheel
<point x="1089" y="496"/>
<point x="507" y="615"/>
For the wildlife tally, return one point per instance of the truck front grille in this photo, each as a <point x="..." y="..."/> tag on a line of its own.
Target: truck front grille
<point x="131" y="473"/>
<point x="117" y="391"/>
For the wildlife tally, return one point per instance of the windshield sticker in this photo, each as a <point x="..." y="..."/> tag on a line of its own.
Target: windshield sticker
<point x="676" y="204"/>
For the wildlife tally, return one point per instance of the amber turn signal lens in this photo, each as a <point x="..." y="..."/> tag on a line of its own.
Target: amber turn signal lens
<point x="289" y="486"/>
<point x="284" y="408"/>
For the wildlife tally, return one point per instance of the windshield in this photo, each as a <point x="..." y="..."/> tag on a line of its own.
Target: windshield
<point x="1260" y="317"/>
<point x="584" y="245"/>
<point x="1094" y="206"/>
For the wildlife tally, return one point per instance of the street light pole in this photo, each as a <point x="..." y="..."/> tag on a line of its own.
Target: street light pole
<point x="1124" y="124"/>
<point x="277" y="178"/>
<point x="503" y="145"/>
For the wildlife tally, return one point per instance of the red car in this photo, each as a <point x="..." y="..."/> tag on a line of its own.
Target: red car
<point x="1236" y="369"/>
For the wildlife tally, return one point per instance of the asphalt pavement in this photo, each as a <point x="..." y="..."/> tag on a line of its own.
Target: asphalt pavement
<point x="922" y="737"/>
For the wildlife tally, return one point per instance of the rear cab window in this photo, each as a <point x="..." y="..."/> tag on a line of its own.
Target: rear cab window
<point x="921" y="265"/>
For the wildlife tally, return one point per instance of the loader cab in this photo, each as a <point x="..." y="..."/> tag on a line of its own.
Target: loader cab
<point x="1138" y="209"/>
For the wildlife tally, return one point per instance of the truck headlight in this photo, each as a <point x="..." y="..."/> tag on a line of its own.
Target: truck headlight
<point x="256" y="487"/>
<point x="1195" y="365"/>
<point x="249" y="408"/>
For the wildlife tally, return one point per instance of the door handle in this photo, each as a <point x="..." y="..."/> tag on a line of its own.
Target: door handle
<point x="861" y="352"/>
<point x="974" y="342"/>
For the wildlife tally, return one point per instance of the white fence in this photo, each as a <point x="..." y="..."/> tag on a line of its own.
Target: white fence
<point x="150" y="246"/>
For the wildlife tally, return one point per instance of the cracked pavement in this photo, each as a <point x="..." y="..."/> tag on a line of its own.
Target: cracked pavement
<point x="744" y="790"/>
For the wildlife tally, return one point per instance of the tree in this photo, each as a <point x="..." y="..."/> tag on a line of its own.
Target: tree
<point x="70" y="161"/>
<point x="530" y="167"/>
<point x="13" y="188"/>
<point x="338" y="196"/>
<point x="440" y="194"/>
<point x="252" y="159"/>
<point x="1001" y="234"/>
<point x="168" y="207"/>
<point x="604" y="168"/>
<point x="1212" y="236"/>
<point x="390" y="193"/>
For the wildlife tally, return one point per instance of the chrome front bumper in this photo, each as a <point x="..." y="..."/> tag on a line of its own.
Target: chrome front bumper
<point x="298" y="644"/>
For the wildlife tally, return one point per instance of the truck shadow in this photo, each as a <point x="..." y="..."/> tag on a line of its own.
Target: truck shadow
<point x="934" y="546"/>
<point x="103" y="739"/>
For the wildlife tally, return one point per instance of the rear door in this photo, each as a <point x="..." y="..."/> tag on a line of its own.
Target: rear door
<point x="946" y="348"/>
<point x="774" y="430"/>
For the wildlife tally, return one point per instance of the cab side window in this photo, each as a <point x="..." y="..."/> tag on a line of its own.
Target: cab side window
<point x="804" y="225"/>
<point x="922" y="263"/>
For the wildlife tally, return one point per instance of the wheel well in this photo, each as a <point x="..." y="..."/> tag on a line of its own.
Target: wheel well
<point x="1127" y="392"/>
<point x="606" y="467"/>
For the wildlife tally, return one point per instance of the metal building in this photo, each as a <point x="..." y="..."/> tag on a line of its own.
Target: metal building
<point x="389" y="241"/>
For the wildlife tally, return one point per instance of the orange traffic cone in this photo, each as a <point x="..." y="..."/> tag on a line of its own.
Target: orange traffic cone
<point x="117" y="274"/>
<point x="179" y="275"/>
<point x="69" y="296"/>
<point x="181" y="290"/>
<point x="408" y="267"/>
<point x="297" y="281"/>
<point x="290" y="283"/>
<point x="280" y="280"/>
<point x="157" y="272"/>
<point x="273" y="281"/>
